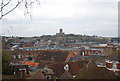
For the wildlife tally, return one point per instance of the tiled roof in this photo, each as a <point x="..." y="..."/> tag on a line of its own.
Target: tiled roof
<point x="52" y="55"/>
<point x="9" y="77"/>
<point x="37" y="75"/>
<point x="96" y="57"/>
<point x="69" y="56"/>
<point x="66" y="75"/>
<point x="76" y="58"/>
<point x="74" y="67"/>
<point x="91" y="71"/>
<point x="101" y="60"/>
<point x="115" y="56"/>
<point x="57" y="68"/>
<point x="44" y="64"/>
<point x="30" y="63"/>
<point x="30" y="52"/>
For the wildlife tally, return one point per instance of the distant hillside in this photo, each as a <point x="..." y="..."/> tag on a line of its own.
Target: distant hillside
<point x="75" y="38"/>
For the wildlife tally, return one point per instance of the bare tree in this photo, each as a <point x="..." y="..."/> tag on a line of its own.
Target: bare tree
<point x="7" y="3"/>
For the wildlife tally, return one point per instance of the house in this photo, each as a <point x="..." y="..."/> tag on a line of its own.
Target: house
<point x="116" y="40"/>
<point x="87" y="52"/>
<point x="74" y="55"/>
<point x="104" y="50"/>
<point x="48" y="73"/>
<point x="96" y="57"/>
<point x="58" y="55"/>
<point x="74" y="67"/>
<point x="101" y="62"/>
<point x="91" y="71"/>
<point x="75" y="58"/>
<point x="58" y="68"/>
<point x="19" y="69"/>
<point x="113" y="63"/>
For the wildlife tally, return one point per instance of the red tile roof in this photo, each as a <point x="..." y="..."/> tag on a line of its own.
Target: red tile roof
<point x="30" y="63"/>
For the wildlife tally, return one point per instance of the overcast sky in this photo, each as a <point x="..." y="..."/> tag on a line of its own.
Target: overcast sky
<point x="89" y="17"/>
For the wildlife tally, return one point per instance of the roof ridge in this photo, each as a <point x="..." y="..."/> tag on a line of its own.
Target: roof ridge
<point x="64" y="73"/>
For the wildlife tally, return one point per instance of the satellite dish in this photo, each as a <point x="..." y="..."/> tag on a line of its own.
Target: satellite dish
<point x="66" y="67"/>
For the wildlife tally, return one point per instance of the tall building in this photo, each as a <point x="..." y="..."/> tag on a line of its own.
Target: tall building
<point x="60" y="37"/>
<point x="61" y="33"/>
<point x="61" y="30"/>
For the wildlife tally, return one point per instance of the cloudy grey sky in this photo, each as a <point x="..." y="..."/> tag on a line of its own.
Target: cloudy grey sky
<point x="89" y="17"/>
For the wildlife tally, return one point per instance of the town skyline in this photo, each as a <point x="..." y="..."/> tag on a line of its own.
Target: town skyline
<point x="12" y="35"/>
<point x="84" y="17"/>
